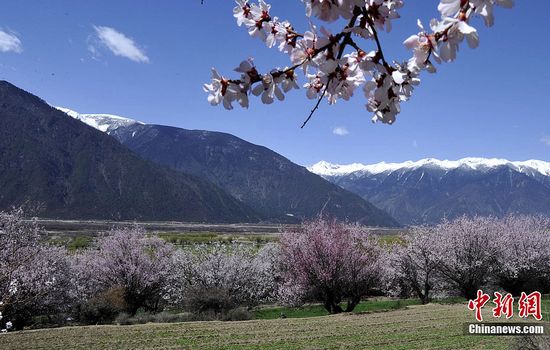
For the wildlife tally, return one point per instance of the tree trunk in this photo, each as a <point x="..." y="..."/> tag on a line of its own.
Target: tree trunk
<point x="352" y="303"/>
<point x="425" y="296"/>
<point x="424" y="299"/>
<point x="332" y="307"/>
<point x="469" y="292"/>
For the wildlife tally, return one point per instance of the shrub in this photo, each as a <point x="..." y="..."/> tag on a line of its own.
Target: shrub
<point x="104" y="307"/>
<point x="201" y="298"/>
<point x="238" y="314"/>
<point x="530" y="342"/>
<point x="123" y="319"/>
<point x="167" y="317"/>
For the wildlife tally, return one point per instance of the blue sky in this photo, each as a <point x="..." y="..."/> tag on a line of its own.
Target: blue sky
<point x="491" y="102"/>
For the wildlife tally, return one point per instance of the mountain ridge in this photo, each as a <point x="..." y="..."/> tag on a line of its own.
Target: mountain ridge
<point x="276" y="188"/>
<point x="429" y="190"/>
<point x="78" y="172"/>
<point x="324" y="168"/>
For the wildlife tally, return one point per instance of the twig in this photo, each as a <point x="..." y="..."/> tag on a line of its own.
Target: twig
<point x="316" y="105"/>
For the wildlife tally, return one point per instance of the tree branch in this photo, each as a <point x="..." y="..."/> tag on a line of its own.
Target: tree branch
<point x="316" y="105"/>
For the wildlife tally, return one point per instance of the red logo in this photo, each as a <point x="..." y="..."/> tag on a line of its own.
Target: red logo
<point x="504" y="305"/>
<point x="478" y="303"/>
<point x="528" y="305"/>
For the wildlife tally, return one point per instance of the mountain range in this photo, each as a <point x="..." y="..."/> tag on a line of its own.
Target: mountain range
<point x="103" y="166"/>
<point x="426" y="191"/>
<point x="277" y="189"/>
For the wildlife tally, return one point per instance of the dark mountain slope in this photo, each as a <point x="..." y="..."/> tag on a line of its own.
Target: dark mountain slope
<point x="79" y="172"/>
<point x="266" y="181"/>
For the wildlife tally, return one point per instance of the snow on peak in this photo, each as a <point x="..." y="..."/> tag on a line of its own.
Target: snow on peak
<point x="528" y="167"/>
<point x="329" y="169"/>
<point x="102" y="122"/>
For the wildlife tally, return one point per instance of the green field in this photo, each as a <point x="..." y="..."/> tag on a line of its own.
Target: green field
<point x="379" y="305"/>
<point x="434" y="326"/>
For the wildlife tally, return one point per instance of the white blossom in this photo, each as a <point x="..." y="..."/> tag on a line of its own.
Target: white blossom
<point x="383" y="11"/>
<point x="484" y="8"/>
<point x="259" y="13"/>
<point x="343" y="81"/>
<point x="304" y="52"/>
<point x="241" y="12"/>
<point x="288" y="80"/>
<point x="314" y="86"/>
<point x="288" y="42"/>
<point x="326" y="10"/>
<point x="269" y="89"/>
<point x="362" y="28"/>
<point x="423" y="46"/>
<point x="455" y="31"/>
<point x="449" y="8"/>
<point x="223" y="91"/>
<point x="276" y="32"/>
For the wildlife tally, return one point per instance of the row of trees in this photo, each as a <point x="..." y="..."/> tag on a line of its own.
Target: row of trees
<point x="464" y="255"/>
<point x="122" y="273"/>
<point x="320" y="261"/>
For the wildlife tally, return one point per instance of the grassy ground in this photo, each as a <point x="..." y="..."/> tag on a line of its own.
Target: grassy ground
<point x="434" y="326"/>
<point x="73" y="243"/>
<point x="316" y="310"/>
<point x="76" y="242"/>
<point x="211" y="237"/>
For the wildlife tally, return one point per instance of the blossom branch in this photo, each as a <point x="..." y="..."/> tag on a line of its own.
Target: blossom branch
<point x="334" y="73"/>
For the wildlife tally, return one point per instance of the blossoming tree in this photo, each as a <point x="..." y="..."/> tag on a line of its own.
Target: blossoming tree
<point x="466" y="250"/>
<point x="523" y="260"/>
<point x="219" y="277"/>
<point x="335" y="65"/>
<point x="413" y="265"/>
<point x="34" y="277"/>
<point x="331" y="262"/>
<point x="127" y="259"/>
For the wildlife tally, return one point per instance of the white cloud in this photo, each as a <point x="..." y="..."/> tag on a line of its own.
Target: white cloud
<point x="118" y="43"/>
<point x="415" y="144"/>
<point x="9" y="42"/>
<point x="545" y="140"/>
<point x="340" y="131"/>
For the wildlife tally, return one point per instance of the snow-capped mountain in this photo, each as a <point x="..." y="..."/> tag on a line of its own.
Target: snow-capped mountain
<point x="102" y="122"/>
<point x="429" y="190"/>
<point x="481" y="164"/>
